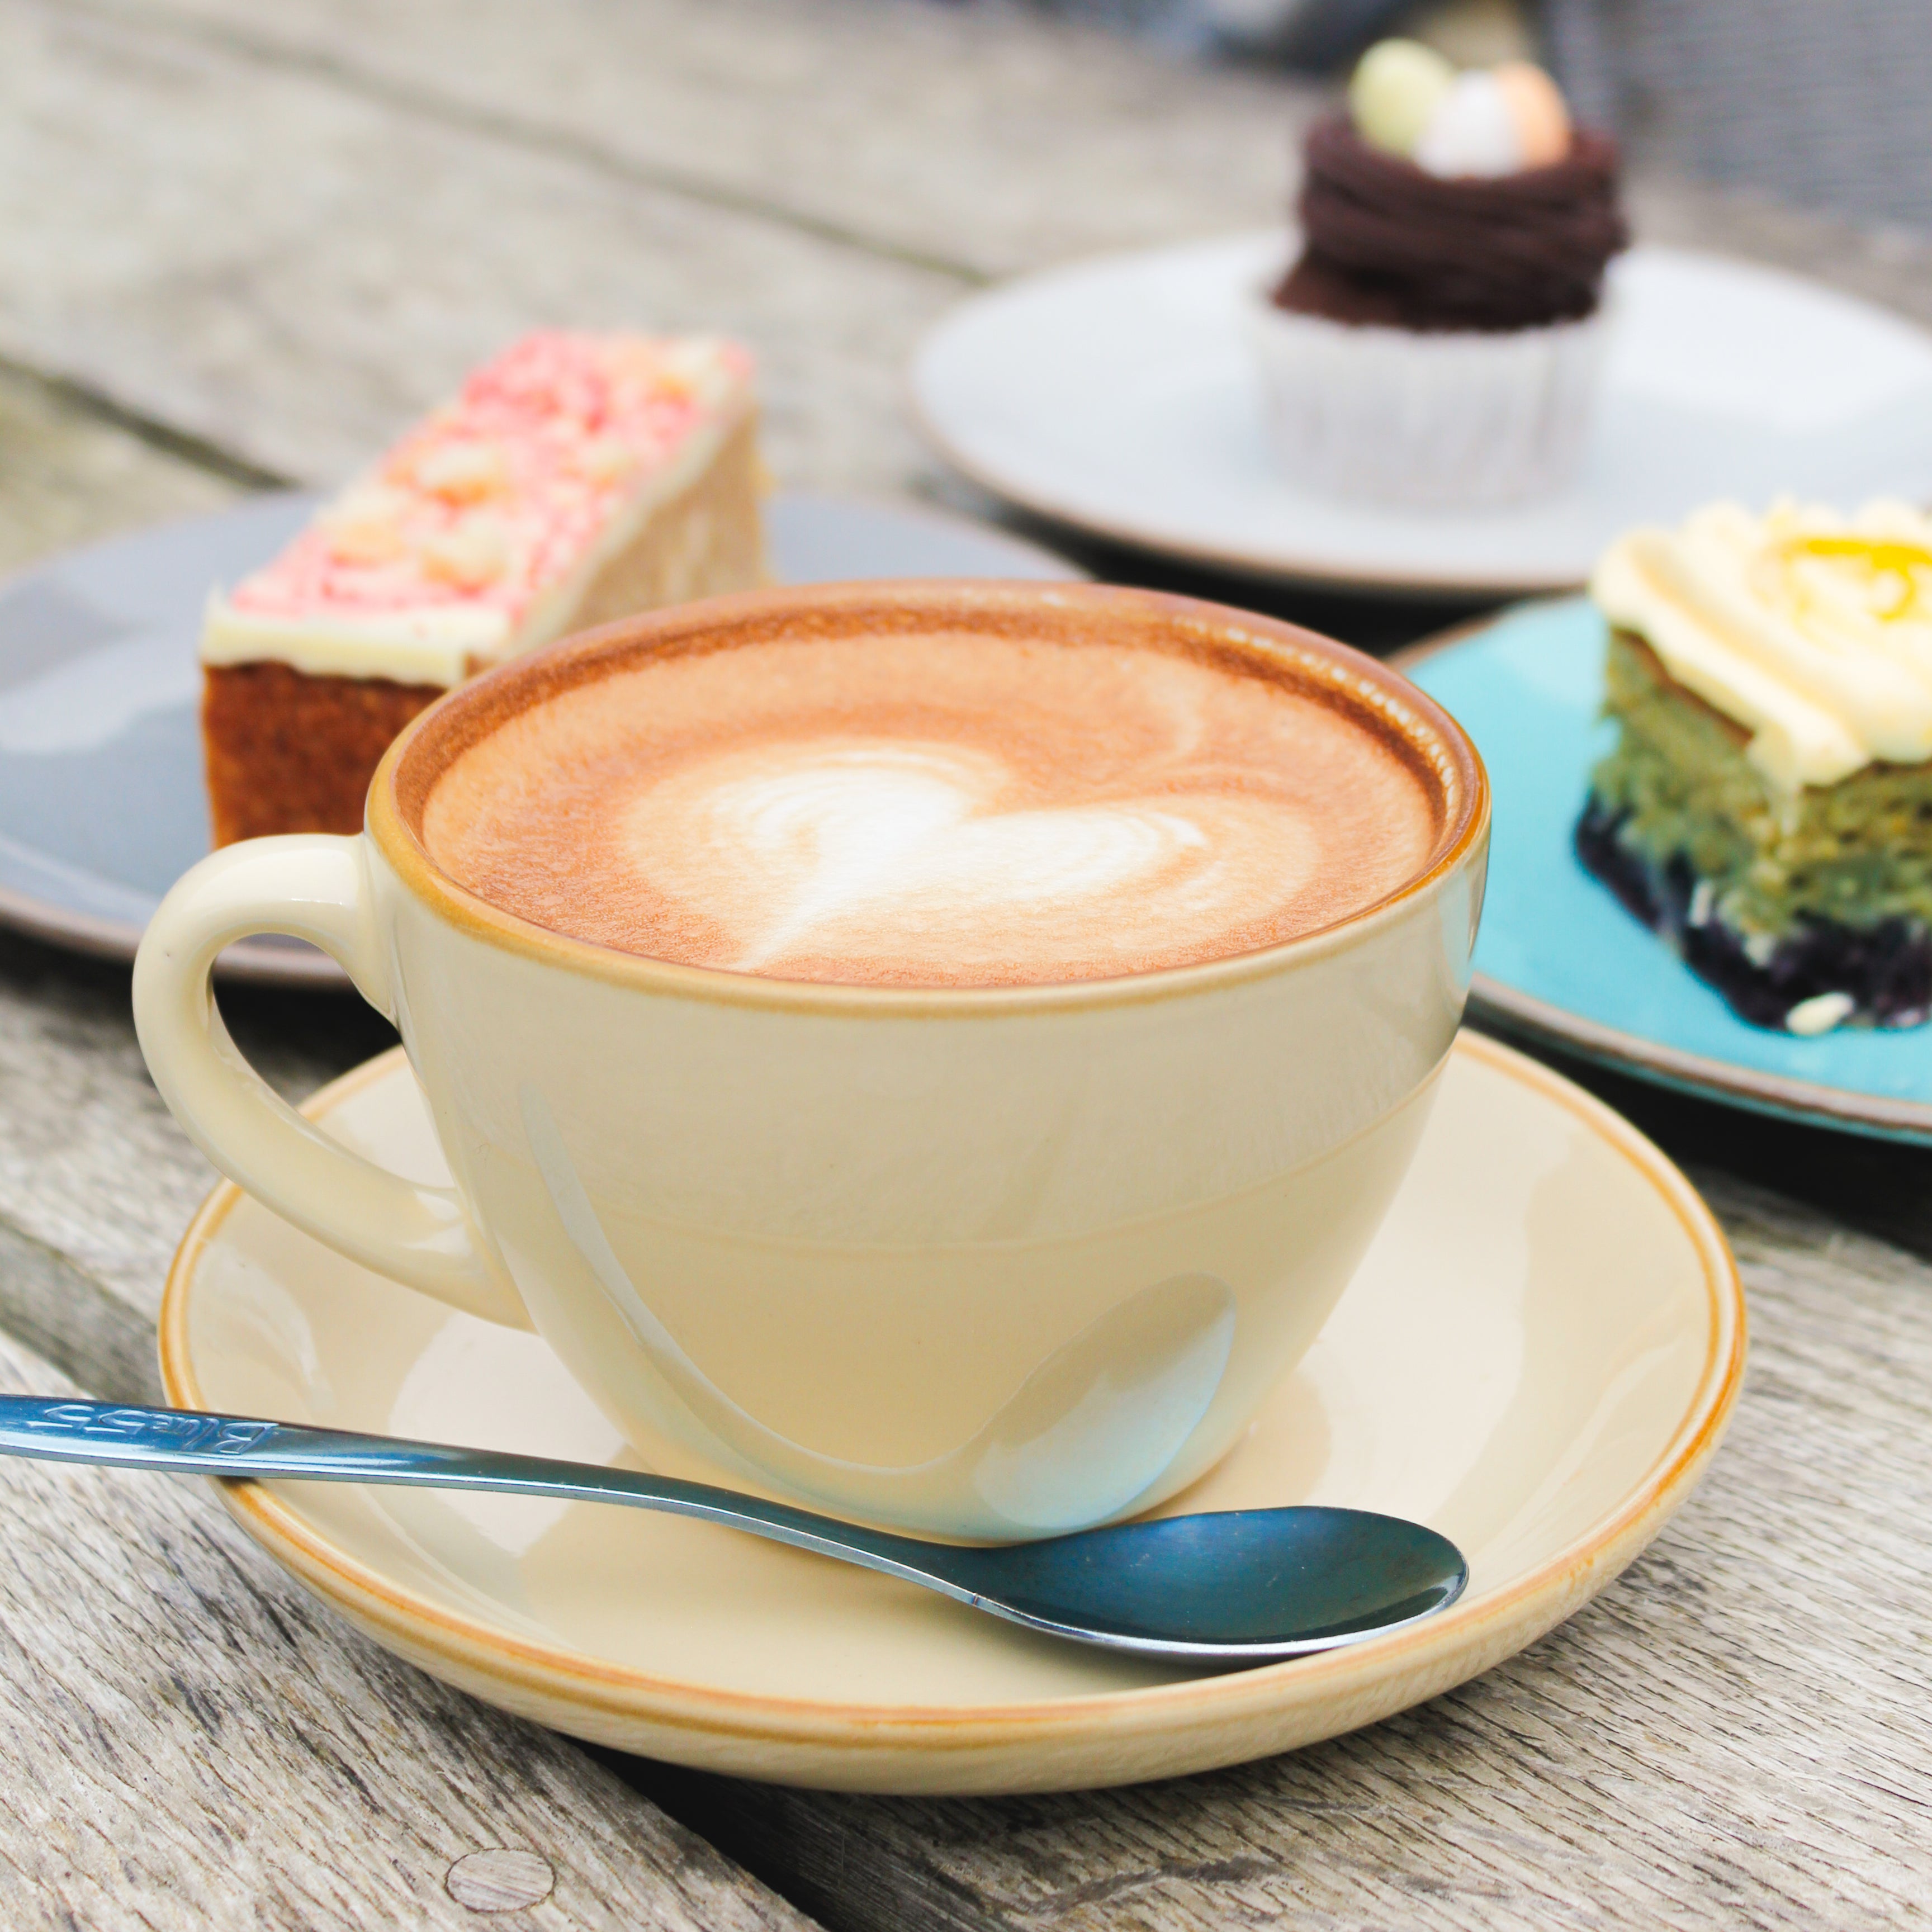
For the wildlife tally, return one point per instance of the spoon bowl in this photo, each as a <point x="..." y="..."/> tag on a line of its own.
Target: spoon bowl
<point x="1231" y="1587"/>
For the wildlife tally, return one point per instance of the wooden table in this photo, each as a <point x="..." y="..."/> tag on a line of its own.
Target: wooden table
<point x="244" y="241"/>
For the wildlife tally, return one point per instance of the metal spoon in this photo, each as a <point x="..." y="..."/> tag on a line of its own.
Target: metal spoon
<point x="1233" y="1587"/>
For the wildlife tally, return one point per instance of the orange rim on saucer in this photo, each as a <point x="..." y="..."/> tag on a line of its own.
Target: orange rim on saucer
<point x="1110" y="1737"/>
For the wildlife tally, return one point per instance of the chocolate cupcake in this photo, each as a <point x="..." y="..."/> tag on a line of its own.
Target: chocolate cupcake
<point x="1438" y="340"/>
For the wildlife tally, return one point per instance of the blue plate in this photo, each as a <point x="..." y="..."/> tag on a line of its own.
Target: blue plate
<point x="1560" y="959"/>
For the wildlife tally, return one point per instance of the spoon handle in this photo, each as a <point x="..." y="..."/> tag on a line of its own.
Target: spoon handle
<point x="190" y="1442"/>
<point x="1241" y="1586"/>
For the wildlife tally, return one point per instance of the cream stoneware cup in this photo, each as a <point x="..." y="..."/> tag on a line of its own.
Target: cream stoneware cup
<point x="995" y="1263"/>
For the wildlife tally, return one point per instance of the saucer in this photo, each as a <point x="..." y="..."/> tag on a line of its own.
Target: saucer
<point x="102" y="805"/>
<point x="1119" y="396"/>
<point x="1559" y="958"/>
<point x="1537" y="1358"/>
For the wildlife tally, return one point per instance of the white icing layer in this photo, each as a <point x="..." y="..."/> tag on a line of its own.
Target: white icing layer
<point x="435" y="645"/>
<point x="1811" y="629"/>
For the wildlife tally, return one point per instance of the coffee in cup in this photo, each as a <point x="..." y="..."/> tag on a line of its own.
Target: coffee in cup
<point x="935" y="808"/>
<point x="937" y="1051"/>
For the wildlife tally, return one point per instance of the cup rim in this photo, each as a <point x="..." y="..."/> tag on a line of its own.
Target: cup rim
<point x="1399" y="708"/>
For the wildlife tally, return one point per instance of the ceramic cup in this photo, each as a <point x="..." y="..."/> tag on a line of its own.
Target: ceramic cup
<point x="992" y="1262"/>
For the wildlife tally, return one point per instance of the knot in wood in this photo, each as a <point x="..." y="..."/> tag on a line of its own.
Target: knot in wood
<point x="500" y="1880"/>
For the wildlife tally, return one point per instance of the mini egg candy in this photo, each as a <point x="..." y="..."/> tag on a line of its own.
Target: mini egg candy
<point x="1536" y="103"/>
<point x="1472" y="130"/>
<point x="1397" y="88"/>
<point x="1406" y="99"/>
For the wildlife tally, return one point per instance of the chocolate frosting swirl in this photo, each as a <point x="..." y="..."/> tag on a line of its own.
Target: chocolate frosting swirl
<point x="1388" y="242"/>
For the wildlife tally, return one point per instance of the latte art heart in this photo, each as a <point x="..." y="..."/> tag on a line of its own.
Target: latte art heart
<point x="812" y="853"/>
<point x="936" y="810"/>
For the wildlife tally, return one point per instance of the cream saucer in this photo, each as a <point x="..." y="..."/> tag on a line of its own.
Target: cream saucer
<point x="1538" y="1357"/>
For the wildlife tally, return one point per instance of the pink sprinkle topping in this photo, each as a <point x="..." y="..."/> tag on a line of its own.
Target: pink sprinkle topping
<point x="495" y="496"/>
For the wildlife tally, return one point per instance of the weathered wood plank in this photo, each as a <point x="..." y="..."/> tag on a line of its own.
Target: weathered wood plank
<point x="91" y="1166"/>
<point x="188" y="1741"/>
<point x="972" y="139"/>
<point x="1734" y="1735"/>
<point x="206" y="210"/>
<point x="77" y="1324"/>
<point x="96" y="1181"/>
<point x="67" y="477"/>
<point x="986" y="139"/>
<point x="294" y="271"/>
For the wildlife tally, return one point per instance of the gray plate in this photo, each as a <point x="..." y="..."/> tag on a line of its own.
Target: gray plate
<point x="102" y="806"/>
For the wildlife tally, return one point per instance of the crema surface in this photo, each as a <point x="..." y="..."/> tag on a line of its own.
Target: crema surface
<point x="932" y="810"/>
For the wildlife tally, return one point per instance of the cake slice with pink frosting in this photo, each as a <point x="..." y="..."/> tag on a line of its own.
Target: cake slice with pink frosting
<point x="576" y="478"/>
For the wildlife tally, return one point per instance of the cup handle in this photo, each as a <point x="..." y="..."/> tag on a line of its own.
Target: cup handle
<point x="317" y="888"/>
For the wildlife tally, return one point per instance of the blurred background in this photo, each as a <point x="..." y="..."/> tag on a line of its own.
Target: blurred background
<point x="244" y="243"/>
<point x="1822" y="103"/>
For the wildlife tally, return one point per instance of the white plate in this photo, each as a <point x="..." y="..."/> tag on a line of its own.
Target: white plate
<point x="1118" y="396"/>
<point x="1537" y="1358"/>
<point x="102" y="805"/>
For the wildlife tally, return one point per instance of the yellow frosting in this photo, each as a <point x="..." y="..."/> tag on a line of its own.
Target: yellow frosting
<point x="1812" y="630"/>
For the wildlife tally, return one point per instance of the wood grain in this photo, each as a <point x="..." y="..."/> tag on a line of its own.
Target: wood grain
<point x="188" y="1741"/>
<point x="1734" y="1735"/>
<point x="96" y="1181"/>
<point x="295" y="270"/>
<point x="981" y="141"/>
<point x="286" y="226"/>
<point x="206" y="199"/>
<point x="68" y="476"/>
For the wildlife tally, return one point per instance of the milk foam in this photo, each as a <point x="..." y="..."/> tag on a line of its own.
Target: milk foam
<point x="935" y="810"/>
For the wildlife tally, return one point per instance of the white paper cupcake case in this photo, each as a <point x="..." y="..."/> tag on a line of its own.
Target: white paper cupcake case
<point x="1460" y="421"/>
